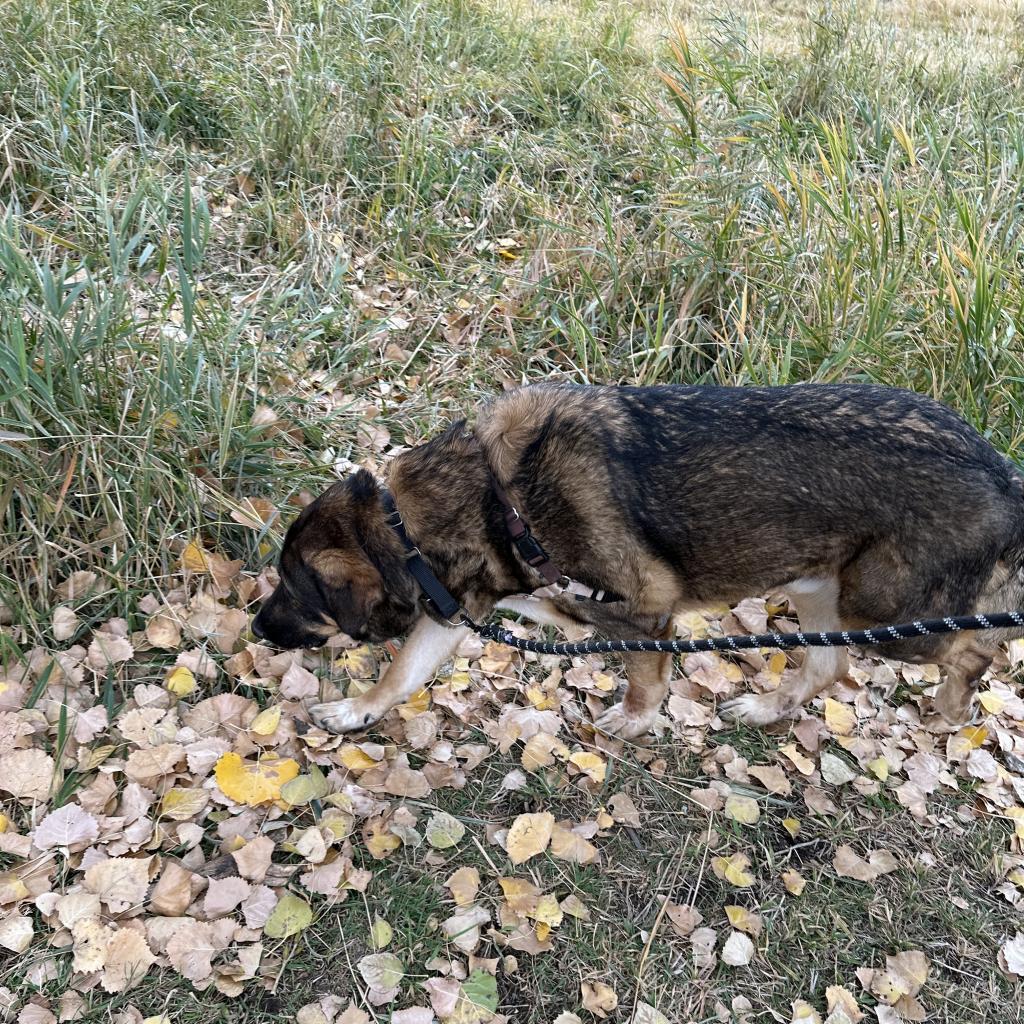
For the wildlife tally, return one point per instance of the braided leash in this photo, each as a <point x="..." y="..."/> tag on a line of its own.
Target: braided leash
<point x="846" y="638"/>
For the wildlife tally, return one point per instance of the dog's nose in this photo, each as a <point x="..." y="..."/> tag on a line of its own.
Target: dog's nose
<point x="257" y="629"/>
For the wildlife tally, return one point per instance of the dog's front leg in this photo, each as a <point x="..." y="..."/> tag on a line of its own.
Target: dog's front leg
<point x="648" y="676"/>
<point x="427" y="648"/>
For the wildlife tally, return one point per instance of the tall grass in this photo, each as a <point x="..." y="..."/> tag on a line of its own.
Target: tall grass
<point x="384" y="209"/>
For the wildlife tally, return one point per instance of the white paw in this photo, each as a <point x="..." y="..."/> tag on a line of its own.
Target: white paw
<point x="343" y="715"/>
<point x="752" y="709"/>
<point x="617" y="721"/>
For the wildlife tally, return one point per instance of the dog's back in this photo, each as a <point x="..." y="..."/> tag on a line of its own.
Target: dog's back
<point x="742" y="489"/>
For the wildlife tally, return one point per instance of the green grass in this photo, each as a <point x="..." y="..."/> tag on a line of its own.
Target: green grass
<point x="212" y="210"/>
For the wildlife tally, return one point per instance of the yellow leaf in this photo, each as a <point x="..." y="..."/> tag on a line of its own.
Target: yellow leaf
<point x="743" y="919"/>
<point x="879" y="768"/>
<point x="590" y="764"/>
<point x="181" y="682"/>
<point x="792" y="826"/>
<point x="793" y="881"/>
<point x="4" y="822"/>
<point x="304" y="788"/>
<point x="543" y="931"/>
<point x="267" y="721"/>
<point x="993" y="703"/>
<point x="380" y="843"/>
<point x="840" y="718"/>
<point x="734" y="870"/>
<point x="541" y="749"/>
<point x="291" y="915"/>
<point x="547" y="911"/>
<point x="777" y="662"/>
<point x="522" y="896"/>
<point x="604" y="682"/>
<point x="381" y="933"/>
<point x="743" y="809"/>
<point x="529" y="836"/>
<point x="803" y="764"/>
<point x="359" y="663"/>
<point x="540" y="699"/>
<point x="254" y="782"/>
<point x="193" y="558"/>
<point x="975" y="735"/>
<point x="180" y="804"/>
<point x="415" y="705"/>
<point x="354" y="759"/>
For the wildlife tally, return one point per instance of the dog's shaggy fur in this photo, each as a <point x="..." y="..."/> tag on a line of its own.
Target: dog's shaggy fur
<point x="865" y="504"/>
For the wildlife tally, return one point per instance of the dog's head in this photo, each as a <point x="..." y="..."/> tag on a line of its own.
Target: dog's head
<point x="341" y="571"/>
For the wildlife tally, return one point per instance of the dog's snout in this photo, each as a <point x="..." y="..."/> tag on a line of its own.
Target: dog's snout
<point x="257" y="628"/>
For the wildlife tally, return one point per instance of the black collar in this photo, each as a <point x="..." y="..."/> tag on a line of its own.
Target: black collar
<point x="433" y="589"/>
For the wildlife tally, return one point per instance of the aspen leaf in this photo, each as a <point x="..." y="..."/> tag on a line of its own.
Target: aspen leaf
<point x="743" y="809"/>
<point x="529" y="835"/>
<point x="734" y="870"/>
<point x="464" y="885"/>
<point x="793" y="881"/>
<point x="253" y="782"/>
<point x="840" y="718"/>
<point x="290" y="916"/>
<point x="738" y="950"/>
<point x="267" y="721"/>
<point x="444" y="831"/>
<point x="590" y="764"/>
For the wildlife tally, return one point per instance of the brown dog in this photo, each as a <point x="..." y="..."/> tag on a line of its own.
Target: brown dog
<point x="866" y="505"/>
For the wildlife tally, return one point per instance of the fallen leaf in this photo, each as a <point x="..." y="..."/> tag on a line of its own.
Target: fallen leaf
<point x="743" y="809"/>
<point x="444" y="831"/>
<point x="290" y="916"/>
<point x="1011" y="955"/>
<point x="793" y="881"/>
<point x="464" y="885"/>
<point x="529" y="836"/>
<point x="840" y="718"/>
<point x="26" y="774"/>
<point x="127" y="959"/>
<point x="254" y="782"/>
<point x="738" y="950"/>
<point x="734" y="870"/>
<point x="598" y="998"/>
<point x="67" y="827"/>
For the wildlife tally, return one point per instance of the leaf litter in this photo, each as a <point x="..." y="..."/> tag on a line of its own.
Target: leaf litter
<point x="210" y="822"/>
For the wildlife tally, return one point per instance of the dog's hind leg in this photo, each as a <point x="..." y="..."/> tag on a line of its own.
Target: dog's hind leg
<point x="817" y="607"/>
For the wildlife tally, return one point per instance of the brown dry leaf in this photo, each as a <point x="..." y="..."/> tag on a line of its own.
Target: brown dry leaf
<point x="26" y="774"/>
<point x="223" y="895"/>
<point x="592" y="765"/>
<point x="843" y="1000"/>
<point x="120" y="882"/>
<point x="521" y="896"/>
<point x="464" y="884"/>
<point x="772" y="778"/>
<point x="624" y="811"/>
<point x="127" y="959"/>
<point x="253" y="860"/>
<point x="173" y="891"/>
<point x="68" y="827"/>
<point x="163" y="632"/>
<point x="684" y="919"/>
<point x="192" y="948"/>
<point x="848" y="864"/>
<point x="568" y="845"/>
<point x="803" y="764"/>
<point x="598" y="998"/>
<point x="65" y="624"/>
<point x="529" y="836"/>
<point x="793" y="881"/>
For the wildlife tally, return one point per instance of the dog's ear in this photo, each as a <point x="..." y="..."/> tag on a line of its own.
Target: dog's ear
<point x="352" y="585"/>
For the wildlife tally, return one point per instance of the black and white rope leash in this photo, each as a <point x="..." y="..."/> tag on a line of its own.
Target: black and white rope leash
<point x="845" y="638"/>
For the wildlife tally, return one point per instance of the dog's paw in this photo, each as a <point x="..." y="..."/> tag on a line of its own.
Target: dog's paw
<point x="752" y="709"/>
<point x="617" y="721"/>
<point x="344" y="715"/>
